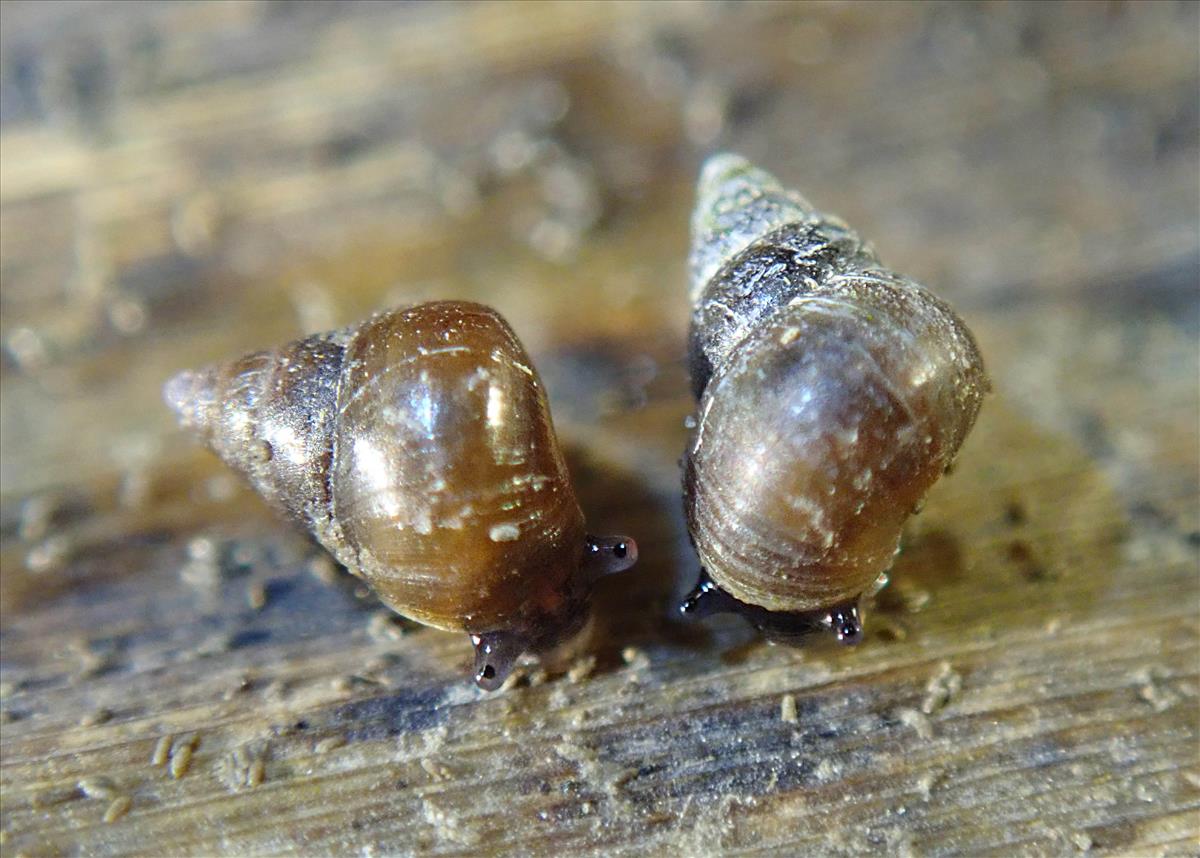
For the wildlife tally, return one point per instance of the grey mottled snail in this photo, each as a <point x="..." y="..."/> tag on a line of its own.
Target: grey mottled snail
<point x="417" y="447"/>
<point x="832" y="393"/>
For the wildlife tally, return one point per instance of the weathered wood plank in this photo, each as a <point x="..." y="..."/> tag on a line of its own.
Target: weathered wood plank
<point x="180" y="673"/>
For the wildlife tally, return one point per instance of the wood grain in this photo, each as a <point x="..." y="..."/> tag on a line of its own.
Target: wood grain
<point x="183" y="674"/>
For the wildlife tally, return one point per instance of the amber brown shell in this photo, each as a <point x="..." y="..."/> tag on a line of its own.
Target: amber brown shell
<point x="418" y="448"/>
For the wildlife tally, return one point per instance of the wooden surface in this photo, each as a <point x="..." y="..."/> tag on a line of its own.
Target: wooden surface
<point x="183" y="674"/>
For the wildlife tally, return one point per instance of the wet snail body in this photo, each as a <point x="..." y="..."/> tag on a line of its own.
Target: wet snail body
<point x="831" y="395"/>
<point x="418" y="449"/>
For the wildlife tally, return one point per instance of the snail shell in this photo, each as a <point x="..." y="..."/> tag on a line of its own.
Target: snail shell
<point x="417" y="447"/>
<point x="832" y="395"/>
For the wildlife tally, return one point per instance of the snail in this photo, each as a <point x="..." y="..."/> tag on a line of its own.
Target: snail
<point x="417" y="448"/>
<point x="832" y="393"/>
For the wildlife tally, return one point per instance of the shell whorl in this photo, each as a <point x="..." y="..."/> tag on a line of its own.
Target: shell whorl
<point x="832" y="394"/>
<point x="449" y="484"/>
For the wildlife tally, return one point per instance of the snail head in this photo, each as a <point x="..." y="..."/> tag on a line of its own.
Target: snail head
<point x="497" y="652"/>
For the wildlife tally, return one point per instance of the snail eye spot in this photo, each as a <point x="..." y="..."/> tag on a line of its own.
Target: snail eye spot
<point x="620" y="549"/>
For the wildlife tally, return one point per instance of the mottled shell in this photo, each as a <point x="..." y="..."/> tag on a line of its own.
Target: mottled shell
<point x="832" y="395"/>
<point x="418" y="448"/>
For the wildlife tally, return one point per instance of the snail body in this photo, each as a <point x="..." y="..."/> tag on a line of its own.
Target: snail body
<point x="832" y="393"/>
<point x="417" y="447"/>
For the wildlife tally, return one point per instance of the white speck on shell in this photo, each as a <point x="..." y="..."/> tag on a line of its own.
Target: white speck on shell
<point x="504" y="533"/>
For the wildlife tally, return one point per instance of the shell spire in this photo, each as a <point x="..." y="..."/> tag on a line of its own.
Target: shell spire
<point x="269" y="415"/>
<point x="736" y="203"/>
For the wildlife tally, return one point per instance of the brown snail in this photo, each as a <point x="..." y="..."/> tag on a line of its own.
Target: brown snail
<point x="417" y="447"/>
<point x="832" y="393"/>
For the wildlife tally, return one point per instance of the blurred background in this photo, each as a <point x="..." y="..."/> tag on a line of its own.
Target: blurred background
<point x="182" y="182"/>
